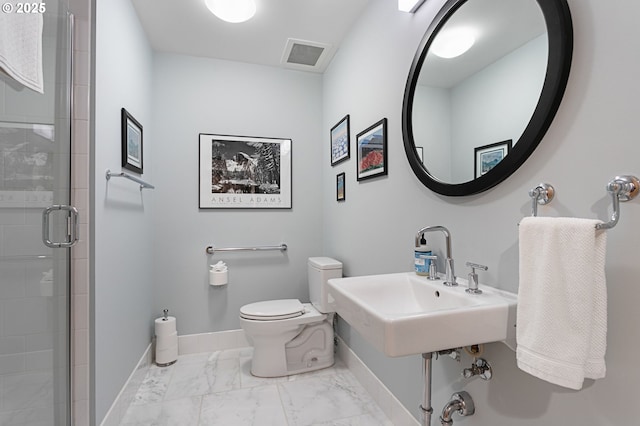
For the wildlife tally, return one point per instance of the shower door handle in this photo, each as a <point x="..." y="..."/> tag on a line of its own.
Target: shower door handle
<point x="72" y="226"/>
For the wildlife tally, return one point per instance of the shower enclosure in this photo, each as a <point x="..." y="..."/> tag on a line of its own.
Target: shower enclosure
<point x="37" y="226"/>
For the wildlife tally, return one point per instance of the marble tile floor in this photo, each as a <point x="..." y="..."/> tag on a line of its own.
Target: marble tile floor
<point x="217" y="388"/>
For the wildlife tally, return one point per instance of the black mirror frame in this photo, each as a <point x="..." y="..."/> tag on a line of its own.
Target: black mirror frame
<point x="560" y="35"/>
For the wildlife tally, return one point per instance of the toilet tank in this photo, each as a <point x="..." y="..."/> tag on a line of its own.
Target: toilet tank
<point x="320" y="270"/>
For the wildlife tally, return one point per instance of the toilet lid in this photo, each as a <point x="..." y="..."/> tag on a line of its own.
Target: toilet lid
<point x="272" y="310"/>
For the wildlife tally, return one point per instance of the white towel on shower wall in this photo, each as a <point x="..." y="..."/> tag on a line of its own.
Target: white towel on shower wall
<point x="21" y="48"/>
<point x="562" y="300"/>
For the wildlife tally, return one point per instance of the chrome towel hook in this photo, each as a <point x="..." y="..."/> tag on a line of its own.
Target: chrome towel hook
<point x="621" y="188"/>
<point x="541" y="194"/>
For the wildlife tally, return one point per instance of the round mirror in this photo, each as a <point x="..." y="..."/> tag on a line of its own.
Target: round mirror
<point x="483" y="89"/>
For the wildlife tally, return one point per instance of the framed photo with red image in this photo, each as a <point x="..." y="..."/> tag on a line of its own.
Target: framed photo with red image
<point x="372" y="151"/>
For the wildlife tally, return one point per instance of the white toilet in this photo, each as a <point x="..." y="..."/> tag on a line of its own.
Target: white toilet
<point x="290" y="337"/>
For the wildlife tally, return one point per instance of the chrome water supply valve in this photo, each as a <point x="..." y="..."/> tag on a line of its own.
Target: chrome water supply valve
<point x="480" y="367"/>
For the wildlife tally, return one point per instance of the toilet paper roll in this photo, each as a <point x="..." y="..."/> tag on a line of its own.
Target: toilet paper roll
<point x="217" y="278"/>
<point x="165" y="327"/>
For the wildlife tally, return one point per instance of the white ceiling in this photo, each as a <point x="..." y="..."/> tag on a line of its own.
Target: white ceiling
<point x="187" y="27"/>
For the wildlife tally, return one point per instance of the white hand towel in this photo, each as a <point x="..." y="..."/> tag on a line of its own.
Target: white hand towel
<point x="562" y="300"/>
<point x="21" y="48"/>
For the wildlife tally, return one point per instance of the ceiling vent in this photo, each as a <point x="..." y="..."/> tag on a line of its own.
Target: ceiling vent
<point x="306" y="55"/>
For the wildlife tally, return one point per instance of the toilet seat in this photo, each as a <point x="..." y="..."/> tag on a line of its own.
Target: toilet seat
<point x="271" y="310"/>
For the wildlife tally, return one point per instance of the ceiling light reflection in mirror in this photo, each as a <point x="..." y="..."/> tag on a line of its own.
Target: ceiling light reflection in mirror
<point x="453" y="42"/>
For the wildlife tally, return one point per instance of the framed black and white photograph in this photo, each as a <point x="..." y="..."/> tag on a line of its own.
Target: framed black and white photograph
<point x="131" y="142"/>
<point x="244" y="172"/>
<point x="372" y="151"/>
<point x="488" y="156"/>
<point x="341" y="194"/>
<point x="340" y="145"/>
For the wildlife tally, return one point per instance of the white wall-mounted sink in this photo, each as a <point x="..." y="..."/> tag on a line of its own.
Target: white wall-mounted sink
<point x="406" y="314"/>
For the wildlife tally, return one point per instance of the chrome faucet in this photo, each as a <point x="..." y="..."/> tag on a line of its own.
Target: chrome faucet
<point x="450" y="279"/>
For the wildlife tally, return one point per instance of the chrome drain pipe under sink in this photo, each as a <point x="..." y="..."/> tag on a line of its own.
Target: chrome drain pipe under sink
<point x="460" y="403"/>
<point x="425" y="407"/>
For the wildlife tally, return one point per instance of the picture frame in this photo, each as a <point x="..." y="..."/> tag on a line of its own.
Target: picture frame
<point x="244" y="172"/>
<point x="372" y="151"/>
<point x="341" y="190"/>
<point x="131" y="150"/>
<point x="486" y="157"/>
<point x="341" y="141"/>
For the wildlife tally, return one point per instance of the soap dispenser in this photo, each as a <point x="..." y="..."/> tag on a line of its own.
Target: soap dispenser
<point x="421" y="262"/>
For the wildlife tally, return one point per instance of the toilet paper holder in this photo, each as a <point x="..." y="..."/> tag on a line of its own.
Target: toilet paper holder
<point x="166" y="340"/>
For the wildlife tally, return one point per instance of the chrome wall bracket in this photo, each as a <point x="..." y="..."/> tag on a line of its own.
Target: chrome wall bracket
<point x="621" y="188"/>
<point x="541" y="194"/>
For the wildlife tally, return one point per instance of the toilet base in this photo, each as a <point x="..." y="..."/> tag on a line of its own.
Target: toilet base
<point x="311" y="349"/>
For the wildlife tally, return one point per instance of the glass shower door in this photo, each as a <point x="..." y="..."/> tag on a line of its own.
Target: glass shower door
<point x="35" y="155"/>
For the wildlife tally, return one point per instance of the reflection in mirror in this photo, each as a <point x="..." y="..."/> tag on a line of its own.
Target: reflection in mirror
<point x="484" y="95"/>
<point x="504" y="84"/>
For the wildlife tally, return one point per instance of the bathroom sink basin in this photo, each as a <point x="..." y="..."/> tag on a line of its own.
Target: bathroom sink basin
<point x="406" y="314"/>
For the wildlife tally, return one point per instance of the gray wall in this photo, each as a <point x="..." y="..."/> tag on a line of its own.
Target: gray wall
<point x="196" y="95"/>
<point x="122" y="263"/>
<point x="592" y="139"/>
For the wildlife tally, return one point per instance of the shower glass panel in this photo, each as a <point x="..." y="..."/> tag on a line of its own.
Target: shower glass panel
<point x="35" y="157"/>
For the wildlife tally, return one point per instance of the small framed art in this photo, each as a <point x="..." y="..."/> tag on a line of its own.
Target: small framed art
<point x="340" y="146"/>
<point x="372" y="151"/>
<point x="341" y="194"/>
<point x="131" y="142"/>
<point x="243" y="172"/>
<point x="488" y="156"/>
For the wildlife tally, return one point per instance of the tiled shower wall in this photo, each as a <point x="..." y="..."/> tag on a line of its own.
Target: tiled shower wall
<point x="80" y="199"/>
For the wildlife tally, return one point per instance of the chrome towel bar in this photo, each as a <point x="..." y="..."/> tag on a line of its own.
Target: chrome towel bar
<point x="212" y="249"/>
<point x="143" y="185"/>
<point x="621" y="188"/>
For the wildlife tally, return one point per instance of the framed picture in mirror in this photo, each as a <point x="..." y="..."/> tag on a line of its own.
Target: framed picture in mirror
<point x="488" y="156"/>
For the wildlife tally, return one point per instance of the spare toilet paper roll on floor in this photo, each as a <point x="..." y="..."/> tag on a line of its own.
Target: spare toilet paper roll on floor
<point x="166" y="341"/>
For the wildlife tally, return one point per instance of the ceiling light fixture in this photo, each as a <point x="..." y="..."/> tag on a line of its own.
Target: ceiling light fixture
<point x="409" y="6"/>
<point x="452" y="43"/>
<point x="232" y="10"/>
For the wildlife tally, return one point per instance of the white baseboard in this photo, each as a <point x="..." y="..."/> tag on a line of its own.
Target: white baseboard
<point x="128" y="392"/>
<point x="394" y="410"/>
